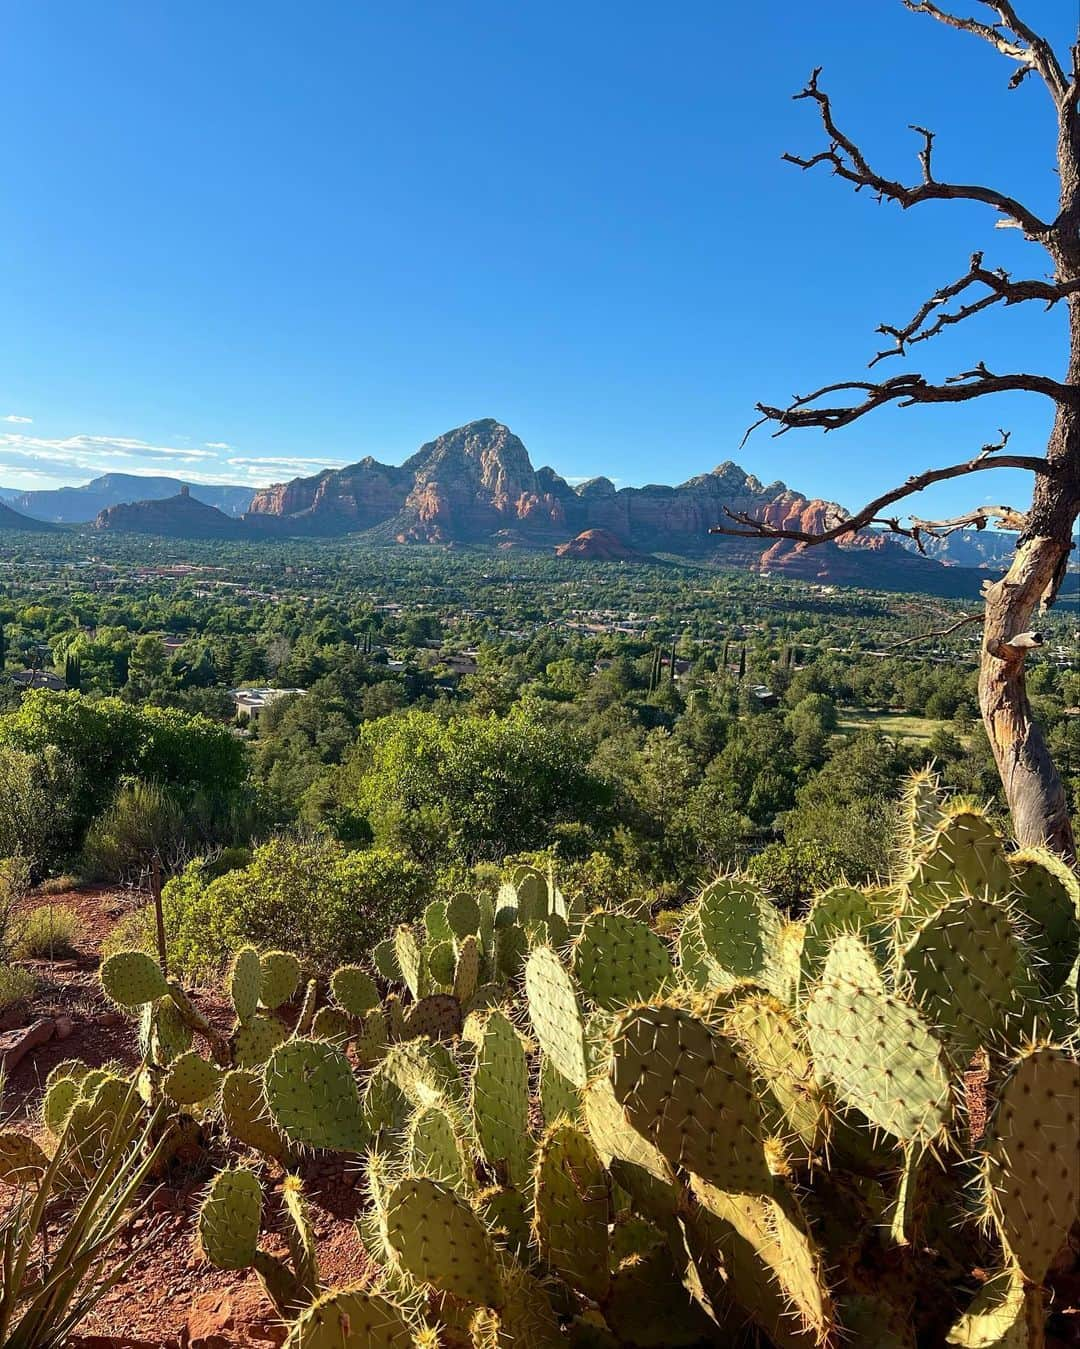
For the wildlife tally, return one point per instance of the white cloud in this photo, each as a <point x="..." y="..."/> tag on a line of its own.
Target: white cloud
<point x="19" y="421"/>
<point x="274" y="462"/>
<point x="217" y="445"/>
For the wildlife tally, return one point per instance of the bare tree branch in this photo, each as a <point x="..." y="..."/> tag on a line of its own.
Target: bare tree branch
<point x="849" y="162"/>
<point x="938" y="632"/>
<point x="1001" y="290"/>
<point x="988" y="457"/>
<point x="1010" y="36"/>
<point x="906" y="391"/>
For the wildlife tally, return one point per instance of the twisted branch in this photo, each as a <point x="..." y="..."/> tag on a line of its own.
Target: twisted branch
<point x="849" y="162"/>
<point x="905" y="391"/>
<point x="989" y="456"/>
<point x="1001" y="290"/>
<point x="1010" y="36"/>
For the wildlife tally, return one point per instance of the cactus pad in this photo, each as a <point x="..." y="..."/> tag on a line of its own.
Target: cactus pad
<point x="689" y="1093"/>
<point x="558" y="1096"/>
<point x="163" y="1032"/>
<point x="618" y="960"/>
<point x="1033" y="1158"/>
<point x="245" y="983"/>
<point x="1048" y="898"/>
<point x="964" y="856"/>
<point x="312" y="1096"/>
<point x="466" y="969"/>
<point x="410" y="961"/>
<point x="352" y="1319"/>
<point x="245" y="1113"/>
<point x="331" y="1023"/>
<point x="441" y="961"/>
<point x="436" y="923"/>
<point x="437" y="1239"/>
<point x="438" y="1017"/>
<point x="386" y="962"/>
<point x="433" y="1148"/>
<point x="570" y="1202"/>
<point x="463" y="915"/>
<point x="354" y="991"/>
<point x="739" y="929"/>
<point x="965" y="968"/>
<point x="191" y="1079"/>
<point x="279" y="978"/>
<point x="877" y="1051"/>
<point x="130" y="978"/>
<point x="254" y="1042"/>
<point x="555" y="1015"/>
<point x="229" y="1219"/>
<point x="843" y="909"/>
<point x="500" y="1099"/>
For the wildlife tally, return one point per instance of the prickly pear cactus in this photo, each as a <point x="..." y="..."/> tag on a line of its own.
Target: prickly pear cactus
<point x="313" y="1098"/>
<point x="966" y="969"/>
<point x="1032" y="1158"/>
<point x="354" y="990"/>
<point x="245" y="983"/>
<point x="570" y="1202"/>
<point x="555" y="1014"/>
<point x="246" y="1115"/>
<point x="618" y="960"/>
<point x="690" y="1094"/>
<point x="191" y="1079"/>
<point x="500" y="1099"/>
<point x="739" y="929"/>
<point x="436" y="1239"/>
<point x="1047" y="898"/>
<point x="255" y="1041"/>
<point x="463" y="915"/>
<point x="434" y="1149"/>
<point x="22" y="1161"/>
<point x="279" y="978"/>
<point x="410" y="960"/>
<point x="131" y="978"/>
<point x="229" y="1219"/>
<point x="351" y="1319"/>
<point x="877" y="1051"/>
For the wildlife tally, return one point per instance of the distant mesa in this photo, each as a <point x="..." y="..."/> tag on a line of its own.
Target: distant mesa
<point x="476" y="485"/>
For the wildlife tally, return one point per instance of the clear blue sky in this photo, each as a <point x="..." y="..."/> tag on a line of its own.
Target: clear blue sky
<point x="241" y="241"/>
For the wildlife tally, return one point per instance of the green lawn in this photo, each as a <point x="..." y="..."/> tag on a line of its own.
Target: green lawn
<point x="894" y="724"/>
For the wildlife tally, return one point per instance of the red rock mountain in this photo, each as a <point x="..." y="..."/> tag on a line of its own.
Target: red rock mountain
<point x="476" y="484"/>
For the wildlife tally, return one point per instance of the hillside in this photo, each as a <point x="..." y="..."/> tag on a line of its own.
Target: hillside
<point x="180" y="516"/>
<point x="80" y="505"/>
<point x="10" y="519"/>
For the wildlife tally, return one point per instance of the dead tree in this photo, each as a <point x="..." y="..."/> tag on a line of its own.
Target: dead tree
<point x="1031" y="783"/>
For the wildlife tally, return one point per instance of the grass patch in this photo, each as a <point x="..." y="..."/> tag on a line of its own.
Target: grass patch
<point x="16" y="986"/>
<point x="47" y="933"/>
<point x="898" y="725"/>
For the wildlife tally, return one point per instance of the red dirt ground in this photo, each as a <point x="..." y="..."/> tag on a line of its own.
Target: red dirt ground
<point x="151" y="1308"/>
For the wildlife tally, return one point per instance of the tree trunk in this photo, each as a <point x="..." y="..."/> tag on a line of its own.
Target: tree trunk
<point x="1032" y="785"/>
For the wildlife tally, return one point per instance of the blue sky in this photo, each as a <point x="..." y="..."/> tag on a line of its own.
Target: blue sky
<point x="241" y="242"/>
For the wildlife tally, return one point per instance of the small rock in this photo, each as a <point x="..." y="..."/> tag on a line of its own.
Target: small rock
<point x="231" y="1317"/>
<point x="64" y="1026"/>
<point x="16" y="1044"/>
<point x="108" y="1019"/>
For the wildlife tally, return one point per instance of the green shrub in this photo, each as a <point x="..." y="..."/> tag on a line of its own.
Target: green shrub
<point x="16" y="986"/>
<point x="48" y="932"/>
<point x="143" y="821"/>
<point x="308" y="896"/>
